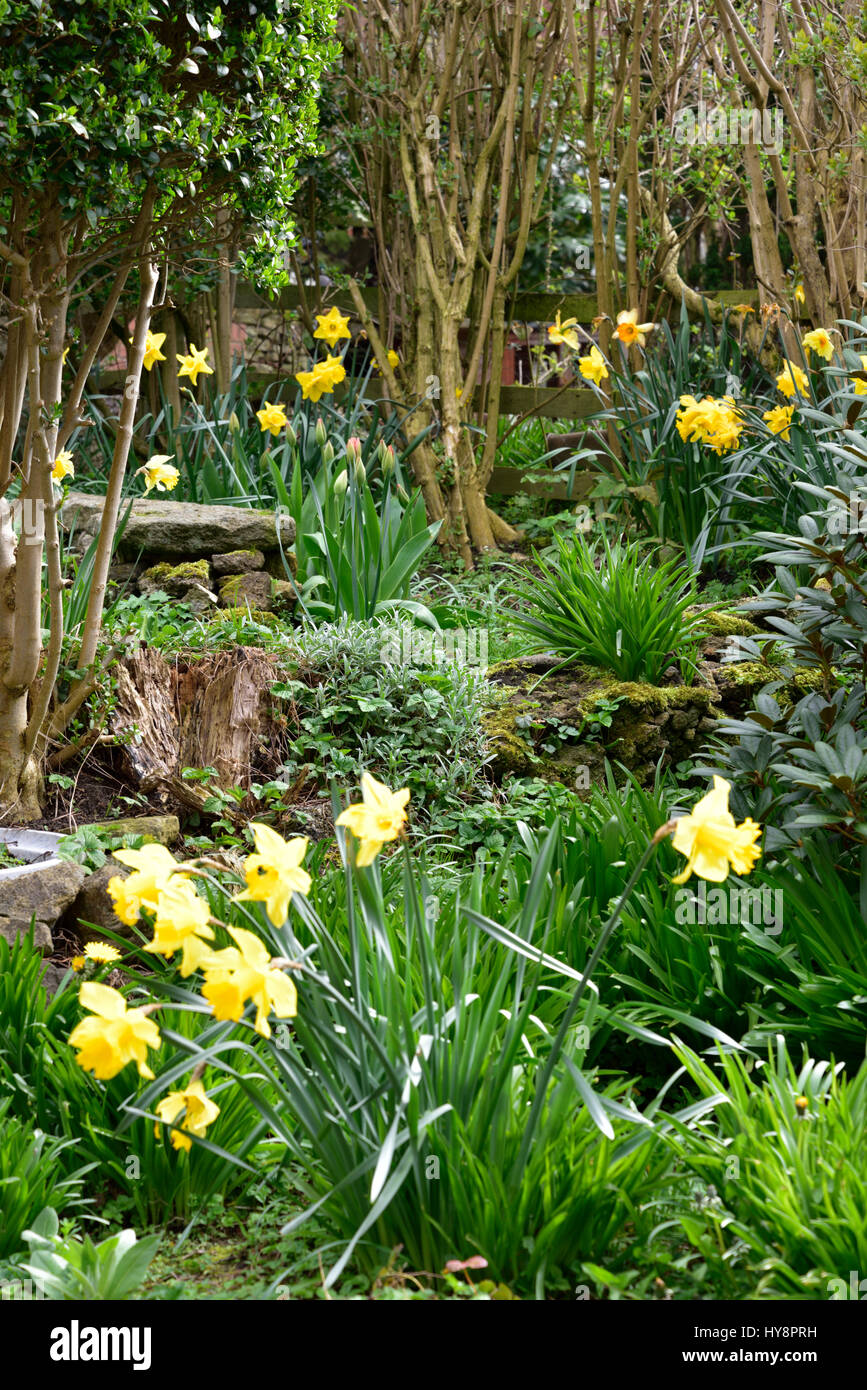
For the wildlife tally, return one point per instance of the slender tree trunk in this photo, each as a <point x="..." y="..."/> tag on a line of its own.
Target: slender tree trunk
<point x="111" y="509"/>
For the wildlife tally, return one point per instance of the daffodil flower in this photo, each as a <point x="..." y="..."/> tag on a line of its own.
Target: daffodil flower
<point x="274" y="872"/>
<point x="712" y="842"/>
<point x="194" y="363"/>
<point x="378" y="818"/>
<point x="793" y="379"/>
<point x="819" y="342"/>
<point x="153" y="866"/>
<point x="181" y="924"/>
<point x="333" y="326"/>
<point x="159" y="473"/>
<point x="779" y="420"/>
<point x="272" y="417"/>
<point x="322" y="379"/>
<point x="243" y="972"/>
<point x="114" y="1035"/>
<point x="564" y="332"/>
<point x="593" y="367"/>
<point x="715" y="423"/>
<point x="630" y="331"/>
<point x="198" y="1110"/>
<point x="63" y="467"/>
<point x="152" y="354"/>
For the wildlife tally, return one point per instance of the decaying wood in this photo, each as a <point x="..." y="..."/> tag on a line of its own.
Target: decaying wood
<point x="145" y="718"/>
<point x="213" y="712"/>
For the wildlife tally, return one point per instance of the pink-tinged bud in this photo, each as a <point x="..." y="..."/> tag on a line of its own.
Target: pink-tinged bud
<point x="387" y="461"/>
<point x="353" y="449"/>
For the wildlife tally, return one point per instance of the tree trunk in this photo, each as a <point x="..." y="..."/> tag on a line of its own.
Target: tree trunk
<point x="20" y="783"/>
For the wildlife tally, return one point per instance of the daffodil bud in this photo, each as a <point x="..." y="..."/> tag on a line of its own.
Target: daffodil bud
<point x="234" y="423"/>
<point x="321" y="432"/>
<point x="291" y="436"/>
<point x="387" y="460"/>
<point x="340" y="484"/>
<point x="328" y="452"/>
<point x="353" y="449"/>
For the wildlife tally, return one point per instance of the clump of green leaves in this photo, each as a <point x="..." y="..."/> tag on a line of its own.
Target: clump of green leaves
<point x="357" y="703"/>
<point x="614" y="609"/>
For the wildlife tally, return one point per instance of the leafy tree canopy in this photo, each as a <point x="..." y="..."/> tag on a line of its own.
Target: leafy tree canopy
<point x="99" y="101"/>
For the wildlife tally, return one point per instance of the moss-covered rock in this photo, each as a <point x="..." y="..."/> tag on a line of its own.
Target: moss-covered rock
<point x="189" y="580"/>
<point x="726" y="624"/>
<point x="563" y="726"/>
<point x="174" y="578"/>
<point x="238" y="562"/>
<point x="246" y="591"/>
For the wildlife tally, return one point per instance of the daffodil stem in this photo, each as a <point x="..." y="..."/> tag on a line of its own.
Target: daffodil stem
<point x="575" y="1001"/>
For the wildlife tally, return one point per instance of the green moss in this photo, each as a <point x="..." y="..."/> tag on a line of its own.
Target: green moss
<point x="750" y="673"/>
<point x="189" y="572"/>
<point x="249" y="560"/>
<point x="513" y="751"/>
<point x="808" y="678"/>
<point x="646" y="721"/>
<point x="725" y="624"/>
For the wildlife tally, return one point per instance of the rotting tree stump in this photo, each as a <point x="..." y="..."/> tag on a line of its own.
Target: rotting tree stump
<point x="213" y="711"/>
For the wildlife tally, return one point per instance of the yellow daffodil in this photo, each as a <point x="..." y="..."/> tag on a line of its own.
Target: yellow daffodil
<point x="272" y="417"/>
<point x="274" y="872"/>
<point x="152" y="354"/>
<point x="101" y="952"/>
<point x="333" y="326"/>
<point x="712" y="842"/>
<point x="243" y="972"/>
<point x="63" y="467"/>
<point x="819" y="342"/>
<point x="378" y="818"/>
<point x="199" y="1112"/>
<point x="715" y="423"/>
<point x="742" y="309"/>
<point x="322" y="379"/>
<point x="793" y="378"/>
<point x="564" y="332"/>
<point x="159" y="473"/>
<point x="630" y="331"/>
<point x="779" y="420"/>
<point x="152" y="867"/>
<point x="194" y="363"/>
<point x="114" y="1035"/>
<point x="181" y="923"/>
<point x="858" y="384"/>
<point x="392" y="359"/>
<point x="799" y="294"/>
<point x="593" y="367"/>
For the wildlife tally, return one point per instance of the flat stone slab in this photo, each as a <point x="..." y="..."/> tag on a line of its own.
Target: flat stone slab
<point x="182" y="528"/>
<point x="164" y="830"/>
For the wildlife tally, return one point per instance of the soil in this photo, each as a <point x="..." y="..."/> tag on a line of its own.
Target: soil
<point x="98" y="793"/>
